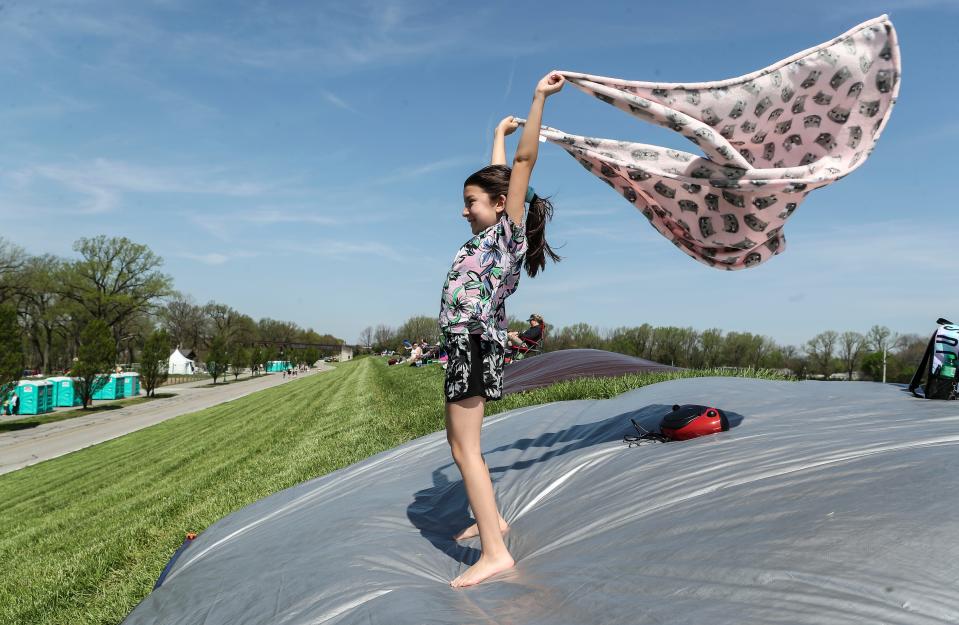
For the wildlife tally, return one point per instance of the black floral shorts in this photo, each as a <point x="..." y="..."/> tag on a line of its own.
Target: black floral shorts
<point x="474" y="368"/>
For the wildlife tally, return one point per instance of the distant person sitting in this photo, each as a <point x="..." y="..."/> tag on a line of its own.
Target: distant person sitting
<point x="416" y="352"/>
<point x="531" y="335"/>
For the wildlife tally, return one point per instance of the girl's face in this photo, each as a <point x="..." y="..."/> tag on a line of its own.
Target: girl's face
<point x="479" y="210"/>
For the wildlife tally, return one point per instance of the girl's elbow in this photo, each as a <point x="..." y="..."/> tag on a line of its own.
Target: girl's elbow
<point x="526" y="159"/>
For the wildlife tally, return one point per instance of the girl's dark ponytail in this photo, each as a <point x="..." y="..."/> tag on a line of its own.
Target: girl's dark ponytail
<point x="494" y="180"/>
<point x="540" y="211"/>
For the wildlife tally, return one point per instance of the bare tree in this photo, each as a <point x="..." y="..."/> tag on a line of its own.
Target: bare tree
<point x="879" y="338"/>
<point x="230" y="324"/>
<point x="851" y="347"/>
<point x="366" y="337"/>
<point x="12" y="258"/>
<point x="383" y="336"/>
<point x="185" y="322"/>
<point x="821" y="349"/>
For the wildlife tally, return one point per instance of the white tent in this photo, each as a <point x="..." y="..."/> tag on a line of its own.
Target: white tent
<point x="179" y="364"/>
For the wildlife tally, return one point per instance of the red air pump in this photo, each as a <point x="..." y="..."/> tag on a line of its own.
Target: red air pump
<point x="683" y="423"/>
<point x="690" y="421"/>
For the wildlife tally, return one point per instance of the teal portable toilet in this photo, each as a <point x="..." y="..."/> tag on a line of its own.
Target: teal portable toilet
<point x="131" y="384"/>
<point x="120" y="386"/>
<point x="113" y="389"/>
<point x="47" y="395"/>
<point x="64" y="393"/>
<point x="275" y="366"/>
<point x="35" y="396"/>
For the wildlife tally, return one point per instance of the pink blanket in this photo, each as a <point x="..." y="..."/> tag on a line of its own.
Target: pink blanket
<point x="769" y="138"/>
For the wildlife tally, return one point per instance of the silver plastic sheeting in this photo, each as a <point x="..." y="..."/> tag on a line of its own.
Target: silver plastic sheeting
<point x="825" y="504"/>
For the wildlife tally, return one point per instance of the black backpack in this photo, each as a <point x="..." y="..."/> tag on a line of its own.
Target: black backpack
<point x="939" y="364"/>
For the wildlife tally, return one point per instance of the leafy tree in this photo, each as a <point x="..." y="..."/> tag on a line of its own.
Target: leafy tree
<point x="896" y="370"/>
<point x="114" y="279"/>
<point x="420" y="327"/>
<point x="739" y="349"/>
<point x="711" y="347"/>
<point x="631" y="341"/>
<point x="95" y="359"/>
<point x="255" y="359"/>
<point x="283" y="332"/>
<point x="515" y="324"/>
<point x="11" y="350"/>
<point x="910" y="349"/>
<point x="154" y="361"/>
<point x="239" y="356"/>
<point x="577" y="336"/>
<point x="217" y="359"/>
<point x="40" y="306"/>
<point x="668" y="345"/>
<point x="794" y="360"/>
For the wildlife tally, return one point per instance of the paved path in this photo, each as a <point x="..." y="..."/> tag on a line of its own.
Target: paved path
<point x="21" y="448"/>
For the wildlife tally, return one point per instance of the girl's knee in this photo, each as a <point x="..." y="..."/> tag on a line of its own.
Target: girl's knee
<point x="464" y="453"/>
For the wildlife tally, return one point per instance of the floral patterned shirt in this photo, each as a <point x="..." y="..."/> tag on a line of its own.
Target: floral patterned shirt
<point x="485" y="272"/>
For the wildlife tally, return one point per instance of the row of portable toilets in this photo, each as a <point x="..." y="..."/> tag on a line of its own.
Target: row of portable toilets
<point x="39" y="396"/>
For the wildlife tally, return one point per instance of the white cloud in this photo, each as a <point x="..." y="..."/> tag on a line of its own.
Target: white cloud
<point x="209" y="259"/>
<point x="337" y="101"/>
<point x="215" y="258"/>
<point x="102" y="182"/>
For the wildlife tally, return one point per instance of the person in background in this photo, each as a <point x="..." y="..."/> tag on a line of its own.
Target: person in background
<point x="534" y="332"/>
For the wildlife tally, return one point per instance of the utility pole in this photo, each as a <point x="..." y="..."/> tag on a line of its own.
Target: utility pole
<point x="884" y="348"/>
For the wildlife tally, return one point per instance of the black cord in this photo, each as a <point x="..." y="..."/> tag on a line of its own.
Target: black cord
<point x="644" y="435"/>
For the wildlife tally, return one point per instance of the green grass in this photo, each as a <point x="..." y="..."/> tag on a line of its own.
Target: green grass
<point x="32" y="421"/>
<point x="85" y="536"/>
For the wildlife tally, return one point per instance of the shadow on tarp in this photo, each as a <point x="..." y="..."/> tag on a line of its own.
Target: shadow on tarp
<point x="442" y="510"/>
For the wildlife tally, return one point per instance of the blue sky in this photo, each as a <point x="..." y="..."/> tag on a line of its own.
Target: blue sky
<point x="305" y="160"/>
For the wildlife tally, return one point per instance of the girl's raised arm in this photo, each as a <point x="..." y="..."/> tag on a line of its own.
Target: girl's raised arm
<point x="528" y="147"/>
<point x="507" y="126"/>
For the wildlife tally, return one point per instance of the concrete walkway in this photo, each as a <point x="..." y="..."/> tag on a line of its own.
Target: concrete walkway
<point x="21" y="448"/>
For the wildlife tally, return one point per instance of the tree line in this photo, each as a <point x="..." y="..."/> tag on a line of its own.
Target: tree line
<point x="114" y="296"/>
<point x="850" y="353"/>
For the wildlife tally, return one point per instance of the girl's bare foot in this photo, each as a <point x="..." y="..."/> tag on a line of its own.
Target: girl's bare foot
<point x="485" y="568"/>
<point x="473" y="530"/>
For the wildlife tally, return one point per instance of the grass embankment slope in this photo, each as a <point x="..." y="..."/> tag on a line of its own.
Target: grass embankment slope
<point x="85" y="536"/>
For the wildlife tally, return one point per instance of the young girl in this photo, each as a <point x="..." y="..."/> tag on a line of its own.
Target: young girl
<point x="472" y="316"/>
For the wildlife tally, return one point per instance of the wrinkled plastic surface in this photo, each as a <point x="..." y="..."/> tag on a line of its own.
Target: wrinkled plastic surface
<point x="825" y="504"/>
<point x="567" y="364"/>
